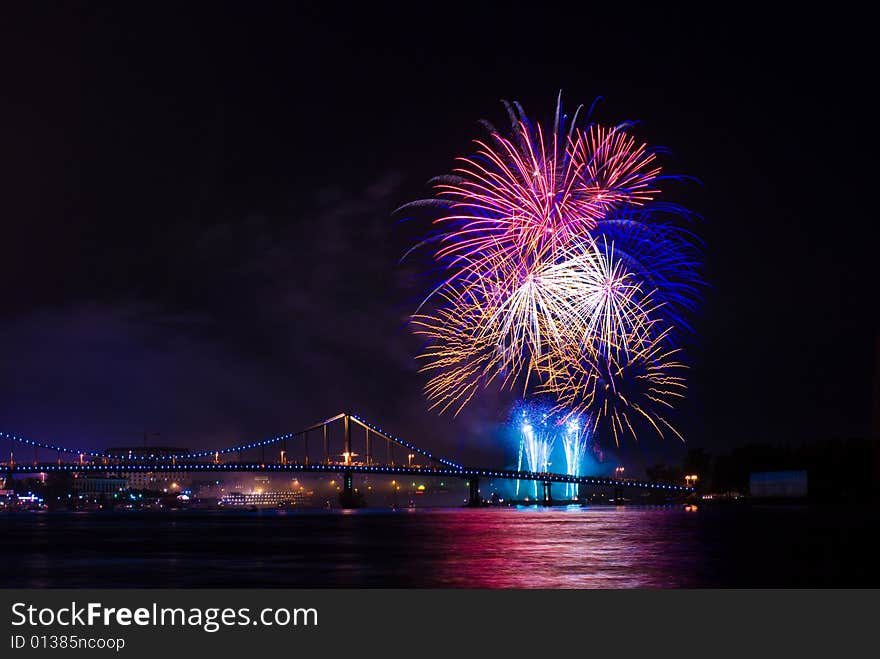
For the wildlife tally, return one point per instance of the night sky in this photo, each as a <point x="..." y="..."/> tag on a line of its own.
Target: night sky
<point x="197" y="209"/>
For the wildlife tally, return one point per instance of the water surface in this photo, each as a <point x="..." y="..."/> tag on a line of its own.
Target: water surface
<point x="573" y="547"/>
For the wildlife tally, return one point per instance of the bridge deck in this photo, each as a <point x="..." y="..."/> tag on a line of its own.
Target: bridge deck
<point x="196" y="467"/>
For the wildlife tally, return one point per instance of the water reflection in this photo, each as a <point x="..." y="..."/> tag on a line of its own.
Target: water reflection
<point x="574" y="547"/>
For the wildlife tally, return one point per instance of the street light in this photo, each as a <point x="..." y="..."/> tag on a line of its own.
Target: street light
<point x="411" y="456"/>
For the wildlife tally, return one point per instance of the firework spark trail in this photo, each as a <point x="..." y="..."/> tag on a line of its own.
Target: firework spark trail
<point x="617" y="392"/>
<point x="540" y="428"/>
<point x="574" y="447"/>
<point x="519" y="463"/>
<point x="537" y="445"/>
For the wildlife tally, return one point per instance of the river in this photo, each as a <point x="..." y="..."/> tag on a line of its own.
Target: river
<point x="561" y="547"/>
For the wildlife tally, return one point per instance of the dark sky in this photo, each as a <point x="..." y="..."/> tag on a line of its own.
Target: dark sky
<point x="197" y="207"/>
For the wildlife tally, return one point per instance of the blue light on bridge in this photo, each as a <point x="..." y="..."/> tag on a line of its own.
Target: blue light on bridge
<point x="138" y="463"/>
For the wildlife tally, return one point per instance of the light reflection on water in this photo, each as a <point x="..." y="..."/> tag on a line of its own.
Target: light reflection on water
<point x="572" y="547"/>
<point x="552" y="548"/>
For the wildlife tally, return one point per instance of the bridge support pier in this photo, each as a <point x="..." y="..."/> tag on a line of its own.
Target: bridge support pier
<point x="348" y="498"/>
<point x="618" y="495"/>
<point x="474" y="499"/>
<point x="582" y="492"/>
<point x="548" y="494"/>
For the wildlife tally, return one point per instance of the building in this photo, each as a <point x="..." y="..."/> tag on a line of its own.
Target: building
<point x="272" y="498"/>
<point x="159" y="481"/>
<point x="99" y="484"/>
<point x="146" y="453"/>
<point x="7" y="499"/>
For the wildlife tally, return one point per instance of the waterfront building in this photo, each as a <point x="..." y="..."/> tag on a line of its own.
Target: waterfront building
<point x="160" y="481"/>
<point x="98" y="484"/>
<point x="270" y="498"/>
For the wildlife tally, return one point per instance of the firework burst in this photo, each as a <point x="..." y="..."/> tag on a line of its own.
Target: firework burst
<point x="563" y="274"/>
<point x="527" y="196"/>
<point x="517" y="321"/>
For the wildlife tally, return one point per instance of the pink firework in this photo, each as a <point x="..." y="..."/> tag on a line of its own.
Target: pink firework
<point x="527" y="196"/>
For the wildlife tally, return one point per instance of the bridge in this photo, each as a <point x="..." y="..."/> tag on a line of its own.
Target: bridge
<point x="292" y="453"/>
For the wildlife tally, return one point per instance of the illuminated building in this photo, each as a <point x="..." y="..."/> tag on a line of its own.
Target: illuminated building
<point x="149" y="480"/>
<point x="99" y="484"/>
<point x="271" y="498"/>
<point x="7" y="498"/>
<point x="156" y="480"/>
<point x="147" y="453"/>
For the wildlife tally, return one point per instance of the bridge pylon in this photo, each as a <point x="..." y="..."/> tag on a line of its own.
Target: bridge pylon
<point x="346" y="451"/>
<point x="548" y="493"/>
<point x="474" y="499"/>
<point x="349" y="498"/>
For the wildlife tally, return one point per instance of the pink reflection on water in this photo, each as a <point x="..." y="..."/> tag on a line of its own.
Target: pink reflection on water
<point x="567" y="548"/>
